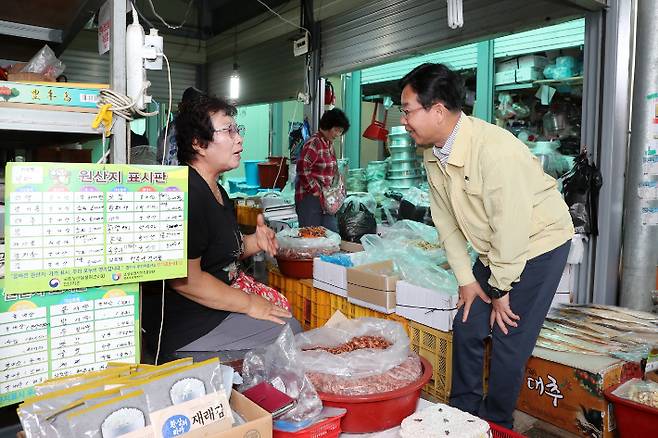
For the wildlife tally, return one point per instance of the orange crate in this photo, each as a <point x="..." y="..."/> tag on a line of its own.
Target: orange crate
<point x="305" y="303"/>
<point x="320" y="307"/>
<point x="436" y="346"/>
<point x="338" y="303"/>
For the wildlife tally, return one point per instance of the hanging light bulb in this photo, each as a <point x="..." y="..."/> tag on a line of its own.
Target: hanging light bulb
<point x="234" y="85"/>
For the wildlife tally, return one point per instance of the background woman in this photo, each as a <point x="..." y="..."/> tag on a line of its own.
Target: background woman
<point x="316" y="168"/>
<point x="203" y="312"/>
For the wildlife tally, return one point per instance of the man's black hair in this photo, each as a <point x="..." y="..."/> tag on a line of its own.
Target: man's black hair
<point x="436" y="83"/>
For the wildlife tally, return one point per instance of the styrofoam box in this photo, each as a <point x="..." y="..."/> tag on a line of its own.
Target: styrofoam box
<point x="415" y="302"/>
<point x="330" y="288"/>
<point x="532" y="61"/>
<point x="505" y="77"/>
<point x="330" y="276"/>
<point x="566" y="283"/>
<point x="528" y="74"/>
<point x="561" y="298"/>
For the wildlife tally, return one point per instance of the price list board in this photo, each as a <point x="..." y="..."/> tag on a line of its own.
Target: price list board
<point x="57" y="334"/>
<point x="71" y="225"/>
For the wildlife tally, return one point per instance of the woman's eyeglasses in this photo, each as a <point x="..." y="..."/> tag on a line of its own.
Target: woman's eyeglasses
<point x="232" y="129"/>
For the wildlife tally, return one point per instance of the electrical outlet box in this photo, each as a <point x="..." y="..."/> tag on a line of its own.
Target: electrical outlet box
<point x="301" y="45"/>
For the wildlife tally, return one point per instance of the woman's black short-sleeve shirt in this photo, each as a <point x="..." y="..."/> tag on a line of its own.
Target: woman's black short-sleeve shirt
<point x="214" y="236"/>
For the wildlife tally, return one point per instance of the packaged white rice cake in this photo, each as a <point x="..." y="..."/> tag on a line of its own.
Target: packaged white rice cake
<point x="443" y="421"/>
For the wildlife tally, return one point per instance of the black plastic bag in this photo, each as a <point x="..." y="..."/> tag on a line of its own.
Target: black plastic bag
<point x="355" y="220"/>
<point x="581" y="186"/>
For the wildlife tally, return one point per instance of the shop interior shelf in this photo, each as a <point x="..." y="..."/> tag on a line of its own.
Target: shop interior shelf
<point x="524" y="85"/>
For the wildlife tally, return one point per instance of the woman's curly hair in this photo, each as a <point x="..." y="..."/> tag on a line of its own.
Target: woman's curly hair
<point x="193" y="123"/>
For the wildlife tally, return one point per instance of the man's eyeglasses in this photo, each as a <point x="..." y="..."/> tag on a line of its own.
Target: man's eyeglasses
<point x="406" y="112"/>
<point x="232" y="129"/>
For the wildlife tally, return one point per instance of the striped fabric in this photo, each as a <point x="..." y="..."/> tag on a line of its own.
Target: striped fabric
<point x="443" y="152"/>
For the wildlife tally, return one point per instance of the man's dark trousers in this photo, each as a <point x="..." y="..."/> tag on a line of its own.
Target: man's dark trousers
<point x="530" y="299"/>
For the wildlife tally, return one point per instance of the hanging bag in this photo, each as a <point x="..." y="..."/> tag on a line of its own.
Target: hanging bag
<point x="334" y="195"/>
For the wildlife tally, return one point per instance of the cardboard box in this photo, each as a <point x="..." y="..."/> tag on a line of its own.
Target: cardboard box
<point x="429" y="307"/>
<point x="373" y="286"/>
<point x="378" y="300"/>
<point x="538" y="62"/>
<point x="505" y="77"/>
<point x="528" y="74"/>
<point x="567" y="390"/>
<point x="350" y="246"/>
<point x="259" y="421"/>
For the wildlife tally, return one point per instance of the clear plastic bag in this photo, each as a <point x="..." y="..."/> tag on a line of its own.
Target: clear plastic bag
<point x="362" y="362"/>
<point x="639" y="391"/>
<point x="292" y="246"/>
<point x="46" y="63"/>
<point x="416" y="252"/>
<point x="280" y="364"/>
<point x="397" y="377"/>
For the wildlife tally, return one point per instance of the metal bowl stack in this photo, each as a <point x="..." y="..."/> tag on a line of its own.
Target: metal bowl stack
<point x="404" y="170"/>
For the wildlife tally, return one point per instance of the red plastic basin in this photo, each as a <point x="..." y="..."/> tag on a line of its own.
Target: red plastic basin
<point x="376" y="412"/>
<point x="633" y="419"/>
<point x="295" y="268"/>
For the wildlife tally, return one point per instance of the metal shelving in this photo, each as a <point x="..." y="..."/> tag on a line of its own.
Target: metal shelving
<point x="25" y="27"/>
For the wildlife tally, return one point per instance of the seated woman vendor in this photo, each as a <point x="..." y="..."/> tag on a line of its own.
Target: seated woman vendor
<point x="216" y="308"/>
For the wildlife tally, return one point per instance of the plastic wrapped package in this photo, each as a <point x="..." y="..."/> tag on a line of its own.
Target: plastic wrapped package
<point x="377" y="188"/>
<point x="292" y="244"/>
<point x="280" y="364"/>
<point x="417" y="197"/>
<point x="416" y="253"/>
<point x="397" y="377"/>
<point x="639" y="391"/>
<point x="357" y="217"/>
<point x="376" y="170"/>
<point x="359" y="362"/>
<point x="46" y="63"/>
<point x="358" y="357"/>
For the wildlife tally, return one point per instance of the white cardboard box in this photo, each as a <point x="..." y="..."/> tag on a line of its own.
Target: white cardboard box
<point x="561" y="298"/>
<point x="330" y="276"/>
<point x="505" y="77"/>
<point x="430" y="307"/>
<point x="330" y="288"/>
<point x="566" y="283"/>
<point x="535" y="61"/>
<point x="527" y="74"/>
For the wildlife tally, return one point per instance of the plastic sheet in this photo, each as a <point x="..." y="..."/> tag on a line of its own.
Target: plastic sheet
<point x="292" y="246"/>
<point x="376" y="170"/>
<point x="639" y="391"/>
<point x="396" y="378"/>
<point x="358" y="363"/>
<point x="280" y="364"/>
<point x="416" y="253"/>
<point x="46" y="63"/>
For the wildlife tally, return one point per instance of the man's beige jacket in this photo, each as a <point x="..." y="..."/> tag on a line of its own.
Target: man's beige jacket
<point x="494" y="194"/>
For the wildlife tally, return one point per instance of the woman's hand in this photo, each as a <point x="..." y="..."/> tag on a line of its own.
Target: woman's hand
<point x="265" y="237"/>
<point x="260" y="308"/>
<point x="502" y="314"/>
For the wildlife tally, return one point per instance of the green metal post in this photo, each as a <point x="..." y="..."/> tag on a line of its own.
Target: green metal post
<point x="278" y="132"/>
<point x="485" y="81"/>
<point x="352" y="102"/>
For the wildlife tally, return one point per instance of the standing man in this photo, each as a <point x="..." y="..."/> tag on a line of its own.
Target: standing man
<point x="488" y="189"/>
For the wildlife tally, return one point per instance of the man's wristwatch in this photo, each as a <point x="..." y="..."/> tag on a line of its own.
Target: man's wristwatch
<point x="495" y="293"/>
